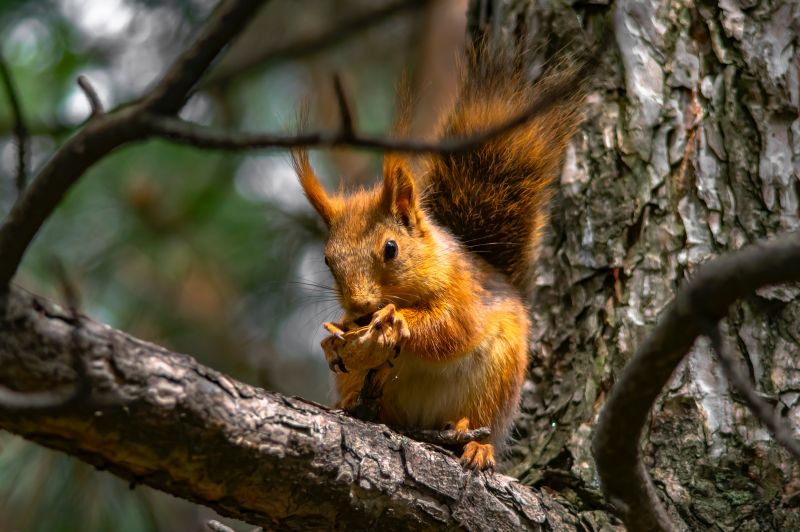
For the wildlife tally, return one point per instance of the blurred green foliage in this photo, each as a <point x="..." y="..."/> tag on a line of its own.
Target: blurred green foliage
<point x="205" y="253"/>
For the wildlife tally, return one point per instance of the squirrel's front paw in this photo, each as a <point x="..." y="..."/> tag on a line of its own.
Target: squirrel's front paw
<point x="367" y="347"/>
<point x="389" y="328"/>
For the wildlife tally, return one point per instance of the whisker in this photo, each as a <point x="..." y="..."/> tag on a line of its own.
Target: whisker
<point x="330" y="309"/>
<point x="309" y="284"/>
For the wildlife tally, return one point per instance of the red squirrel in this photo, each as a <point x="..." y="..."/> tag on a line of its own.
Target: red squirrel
<point x="433" y="280"/>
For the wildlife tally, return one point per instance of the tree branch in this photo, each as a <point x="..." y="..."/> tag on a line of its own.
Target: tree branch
<point x="228" y="20"/>
<point x="345" y="114"/>
<point x="703" y="300"/>
<point x="88" y="90"/>
<point x="161" y="419"/>
<point x="449" y="436"/>
<point x="99" y="137"/>
<point x="758" y="406"/>
<point x="106" y="132"/>
<point x="205" y="137"/>
<point x="199" y="136"/>
<point x="149" y="117"/>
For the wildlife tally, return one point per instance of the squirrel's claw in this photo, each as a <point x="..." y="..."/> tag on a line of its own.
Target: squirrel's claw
<point x="389" y="320"/>
<point x="331" y="350"/>
<point x="336" y="365"/>
<point x="478" y="456"/>
<point x="334" y="329"/>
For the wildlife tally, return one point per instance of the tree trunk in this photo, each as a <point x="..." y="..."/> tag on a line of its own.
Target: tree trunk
<point x="690" y="149"/>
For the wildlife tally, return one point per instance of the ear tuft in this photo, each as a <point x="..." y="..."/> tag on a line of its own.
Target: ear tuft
<point x="399" y="191"/>
<point x="312" y="187"/>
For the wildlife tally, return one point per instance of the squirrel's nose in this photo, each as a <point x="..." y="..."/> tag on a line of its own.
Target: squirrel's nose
<point x="363" y="306"/>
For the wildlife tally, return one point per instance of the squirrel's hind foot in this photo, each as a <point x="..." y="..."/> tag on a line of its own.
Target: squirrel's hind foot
<point x="478" y="456"/>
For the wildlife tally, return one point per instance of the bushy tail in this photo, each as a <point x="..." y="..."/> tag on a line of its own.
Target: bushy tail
<point x="495" y="198"/>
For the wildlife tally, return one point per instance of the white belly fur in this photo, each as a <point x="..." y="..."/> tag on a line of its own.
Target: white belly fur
<point x="435" y="393"/>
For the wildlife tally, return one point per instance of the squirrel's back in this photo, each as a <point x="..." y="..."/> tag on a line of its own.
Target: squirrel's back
<point x="494" y="198"/>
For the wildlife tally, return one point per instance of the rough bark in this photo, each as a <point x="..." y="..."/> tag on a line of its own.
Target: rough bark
<point x="690" y="150"/>
<point x="161" y="419"/>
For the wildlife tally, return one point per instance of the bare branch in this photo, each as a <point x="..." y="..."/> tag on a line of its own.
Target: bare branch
<point x="20" y="129"/>
<point x="160" y="418"/>
<point x="324" y="41"/>
<point x="704" y="299"/>
<point x="447" y="437"/>
<point x="230" y="17"/>
<point x="761" y="408"/>
<point x="345" y="115"/>
<point x="106" y="132"/>
<point x="97" y="139"/>
<point x="198" y="136"/>
<point x="148" y="118"/>
<point x="91" y="95"/>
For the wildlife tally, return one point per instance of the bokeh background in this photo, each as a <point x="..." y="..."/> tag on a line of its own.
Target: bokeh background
<point x="208" y="253"/>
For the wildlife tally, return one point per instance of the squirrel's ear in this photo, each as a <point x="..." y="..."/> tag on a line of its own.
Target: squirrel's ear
<point x="399" y="191"/>
<point x="315" y="193"/>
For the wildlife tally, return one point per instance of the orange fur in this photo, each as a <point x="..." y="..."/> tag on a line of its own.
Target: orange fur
<point x="444" y="322"/>
<point x="315" y="193"/>
<point x="511" y="174"/>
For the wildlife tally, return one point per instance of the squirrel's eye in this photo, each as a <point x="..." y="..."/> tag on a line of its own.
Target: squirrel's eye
<point x="389" y="250"/>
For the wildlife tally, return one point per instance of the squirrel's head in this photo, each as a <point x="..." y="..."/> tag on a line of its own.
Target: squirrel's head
<point x="381" y="247"/>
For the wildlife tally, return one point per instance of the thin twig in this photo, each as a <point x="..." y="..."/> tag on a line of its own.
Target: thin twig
<point x="705" y="299"/>
<point x="198" y="136"/>
<point x="91" y="95"/>
<point x="345" y="114"/>
<point x="205" y="137"/>
<point x="318" y="43"/>
<point x="446" y="437"/>
<point x="20" y="129"/>
<point x="758" y="406"/>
